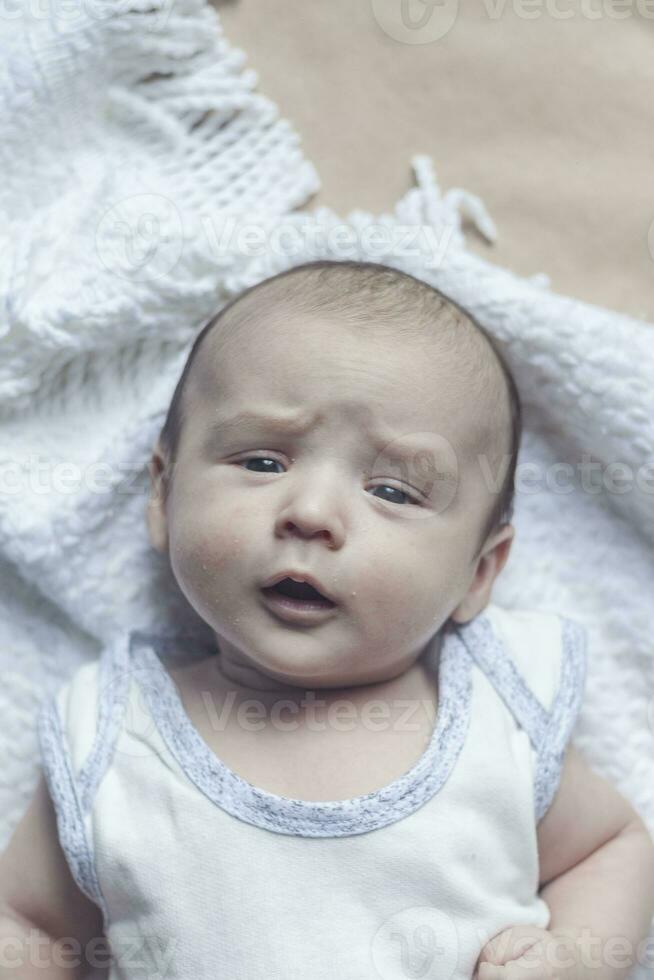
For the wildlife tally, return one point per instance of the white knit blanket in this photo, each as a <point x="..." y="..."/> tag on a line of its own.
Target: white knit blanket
<point x="144" y="183"/>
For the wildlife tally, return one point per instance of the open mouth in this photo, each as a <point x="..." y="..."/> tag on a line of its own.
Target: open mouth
<point x="301" y="594"/>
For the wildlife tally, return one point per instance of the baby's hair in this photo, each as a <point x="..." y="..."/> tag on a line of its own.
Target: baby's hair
<point x="380" y="300"/>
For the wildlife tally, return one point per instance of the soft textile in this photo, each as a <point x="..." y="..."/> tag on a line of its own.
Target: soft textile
<point x="133" y="151"/>
<point x="524" y="102"/>
<point x="175" y="847"/>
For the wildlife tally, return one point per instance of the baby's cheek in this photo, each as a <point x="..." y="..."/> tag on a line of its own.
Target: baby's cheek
<point x="387" y="591"/>
<point x="400" y="596"/>
<point x="206" y="543"/>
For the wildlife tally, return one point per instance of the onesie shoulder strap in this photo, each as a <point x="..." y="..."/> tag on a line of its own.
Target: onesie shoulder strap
<point x="113" y="687"/>
<point x="77" y="729"/>
<point x="536" y="661"/>
<point x="564" y="712"/>
<point x="490" y="653"/>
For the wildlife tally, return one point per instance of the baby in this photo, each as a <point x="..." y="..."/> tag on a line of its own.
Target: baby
<point x="370" y="774"/>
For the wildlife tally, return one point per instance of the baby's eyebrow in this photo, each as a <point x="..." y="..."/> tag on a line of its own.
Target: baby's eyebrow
<point x="297" y="423"/>
<point x="294" y="423"/>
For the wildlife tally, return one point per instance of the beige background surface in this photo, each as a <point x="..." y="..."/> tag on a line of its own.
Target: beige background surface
<point x="547" y="117"/>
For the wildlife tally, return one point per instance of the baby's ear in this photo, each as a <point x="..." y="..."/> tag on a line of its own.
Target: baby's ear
<point x="490" y="563"/>
<point x="156" y="511"/>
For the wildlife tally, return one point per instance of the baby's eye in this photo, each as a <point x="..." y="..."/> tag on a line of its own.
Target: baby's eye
<point x="411" y="498"/>
<point x="403" y="493"/>
<point x="259" y="459"/>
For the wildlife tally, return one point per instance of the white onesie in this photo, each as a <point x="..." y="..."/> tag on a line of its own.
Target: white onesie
<point x="202" y="876"/>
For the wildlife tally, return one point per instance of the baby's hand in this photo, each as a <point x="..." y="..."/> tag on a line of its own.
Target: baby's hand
<point x="527" y="953"/>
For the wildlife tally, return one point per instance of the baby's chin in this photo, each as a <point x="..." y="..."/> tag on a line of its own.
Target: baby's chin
<point x="263" y="680"/>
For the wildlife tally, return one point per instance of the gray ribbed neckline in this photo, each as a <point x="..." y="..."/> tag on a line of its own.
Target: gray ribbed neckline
<point x="310" y="818"/>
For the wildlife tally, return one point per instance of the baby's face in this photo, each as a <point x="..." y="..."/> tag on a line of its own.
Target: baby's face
<point x="380" y="498"/>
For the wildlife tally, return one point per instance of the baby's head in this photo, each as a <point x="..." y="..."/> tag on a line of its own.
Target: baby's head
<point x="346" y="421"/>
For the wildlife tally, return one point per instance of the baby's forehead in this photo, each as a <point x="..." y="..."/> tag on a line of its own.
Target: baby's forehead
<point x="244" y="336"/>
<point x="279" y="348"/>
<point x="459" y="362"/>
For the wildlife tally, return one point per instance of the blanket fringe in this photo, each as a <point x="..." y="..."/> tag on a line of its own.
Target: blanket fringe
<point x="434" y="208"/>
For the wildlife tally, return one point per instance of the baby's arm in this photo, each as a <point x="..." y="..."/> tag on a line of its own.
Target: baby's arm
<point x="41" y="906"/>
<point x="597" y="868"/>
<point x="597" y="877"/>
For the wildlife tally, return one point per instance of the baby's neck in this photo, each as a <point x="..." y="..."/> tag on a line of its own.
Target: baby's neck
<point x="241" y="682"/>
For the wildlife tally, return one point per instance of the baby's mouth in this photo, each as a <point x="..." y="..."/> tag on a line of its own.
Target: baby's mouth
<point x="301" y="593"/>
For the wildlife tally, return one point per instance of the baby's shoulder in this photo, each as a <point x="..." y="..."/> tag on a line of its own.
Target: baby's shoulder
<point x="537" y="662"/>
<point x="525" y="620"/>
<point x="544" y="648"/>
